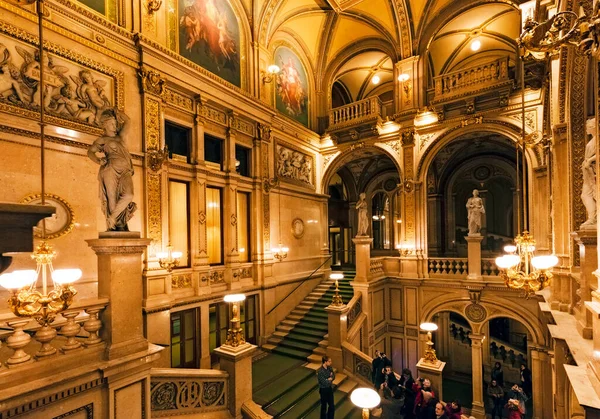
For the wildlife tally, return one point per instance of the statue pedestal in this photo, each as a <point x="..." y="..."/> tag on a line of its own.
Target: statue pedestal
<point x="587" y="240"/>
<point x="474" y="255"/>
<point x="433" y="372"/>
<point x="362" y="245"/>
<point x="337" y="329"/>
<point x="120" y="280"/>
<point x="237" y="362"/>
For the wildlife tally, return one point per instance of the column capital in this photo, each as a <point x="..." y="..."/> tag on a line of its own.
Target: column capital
<point x="476" y="340"/>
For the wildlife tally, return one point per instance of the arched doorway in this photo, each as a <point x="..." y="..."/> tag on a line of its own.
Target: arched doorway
<point x="373" y="172"/>
<point x="478" y="160"/>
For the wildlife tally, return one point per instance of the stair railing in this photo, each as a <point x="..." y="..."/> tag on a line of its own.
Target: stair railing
<point x="357" y="364"/>
<point x="300" y="283"/>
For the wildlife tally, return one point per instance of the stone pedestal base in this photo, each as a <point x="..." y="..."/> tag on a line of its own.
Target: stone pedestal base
<point x="588" y="250"/>
<point x="337" y="329"/>
<point x="237" y="362"/>
<point x="474" y="255"/>
<point x="120" y="280"/>
<point x="433" y="372"/>
<point x="362" y="245"/>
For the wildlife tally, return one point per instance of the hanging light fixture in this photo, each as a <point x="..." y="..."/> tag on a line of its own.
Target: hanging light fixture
<point x="56" y="296"/>
<point x="281" y="251"/>
<point x="520" y="268"/>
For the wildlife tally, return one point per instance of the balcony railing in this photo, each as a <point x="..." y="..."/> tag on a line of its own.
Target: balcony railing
<point x="458" y="268"/>
<point x="76" y="329"/>
<point x="480" y="77"/>
<point x="355" y="113"/>
<point x="177" y="392"/>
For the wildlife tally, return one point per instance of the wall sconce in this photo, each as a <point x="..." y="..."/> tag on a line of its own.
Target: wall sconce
<point x="405" y="249"/>
<point x="403" y="77"/>
<point x="269" y="75"/>
<point x="235" y="334"/>
<point x="153" y="6"/>
<point x="169" y="259"/>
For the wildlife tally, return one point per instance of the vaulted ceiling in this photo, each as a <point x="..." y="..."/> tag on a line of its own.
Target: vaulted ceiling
<point x="351" y="41"/>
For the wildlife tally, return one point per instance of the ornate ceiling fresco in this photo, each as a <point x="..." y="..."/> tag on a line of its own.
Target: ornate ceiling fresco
<point x="351" y="41"/>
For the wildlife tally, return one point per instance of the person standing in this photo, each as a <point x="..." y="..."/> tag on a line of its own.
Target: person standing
<point x="325" y="377"/>
<point x="497" y="396"/>
<point x="526" y="380"/>
<point x="498" y="374"/>
<point x="377" y="365"/>
<point x="440" y="413"/>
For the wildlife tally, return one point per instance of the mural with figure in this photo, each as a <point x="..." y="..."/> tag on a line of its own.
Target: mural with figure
<point x="291" y="95"/>
<point x="209" y="35"/>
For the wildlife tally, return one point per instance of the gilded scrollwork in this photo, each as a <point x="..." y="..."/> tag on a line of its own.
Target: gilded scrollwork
<point x="181" y="281"/>
<point x="151" y="81"/>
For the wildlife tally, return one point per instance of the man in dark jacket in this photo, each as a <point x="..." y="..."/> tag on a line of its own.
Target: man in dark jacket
<point x="377" y="367"/>
<point x="440" y="413"/>
<point x="325" y="377"/>
<point x="497" y="396"/>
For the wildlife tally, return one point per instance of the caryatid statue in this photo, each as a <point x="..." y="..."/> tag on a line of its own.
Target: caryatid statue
<point x="588" y="190"/>
<point x="475" y="211"/>
<point x="116" y="169"/>
<point x="363" y="219"/>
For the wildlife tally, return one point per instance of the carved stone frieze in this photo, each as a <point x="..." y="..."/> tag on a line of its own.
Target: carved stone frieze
<point x="475" y="312"/>
<point x="327" y="158"/>
<point x="152" y="123"/>
<point x="215" y="115"/>
<point x="295" y="166"/>
<point x="424" y="140"/>
<point x="264" y="132"/>
<point x="408" y="137"/>
<point x="181" y="281"/>
<point x="154" y="209"/>
<point x="77" y="88"/>
<point x="177" y="99"/>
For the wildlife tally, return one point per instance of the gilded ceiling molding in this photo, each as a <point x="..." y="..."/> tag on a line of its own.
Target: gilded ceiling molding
<point x="109" y="22"/>
<point x="404" y="29"/>
<point x="178" y="100"/>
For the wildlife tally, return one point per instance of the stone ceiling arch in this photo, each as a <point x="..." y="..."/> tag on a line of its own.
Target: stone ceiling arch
<point x="351" y="154"/>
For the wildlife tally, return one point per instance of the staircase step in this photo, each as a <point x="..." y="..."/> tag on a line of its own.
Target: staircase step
<point x="320" y="351"/>
<point x="294" y="344"/>
<point x="268" y="347"/>
<point x="292" y="396"/>
<point x="289" y="323"/>
<point x="303" y="338"/>
<point x="281" y="385"/>
<point x="304" y="405"/>
<point x="302" y="330"/>
<point x="294" y="353"/>
<point x="314" y="358"/>
<point x="347" y="386"/>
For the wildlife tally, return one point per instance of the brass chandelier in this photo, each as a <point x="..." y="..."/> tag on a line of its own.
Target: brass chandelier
<point x="520" y="268"/>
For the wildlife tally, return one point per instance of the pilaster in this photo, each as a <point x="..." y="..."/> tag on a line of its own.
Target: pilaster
<point x="362" y="246"/>
<point x="478" y="410"/>
<point x="237" y="362"/>
<point x="588" y="257"/>
<point x="337" y="331"/>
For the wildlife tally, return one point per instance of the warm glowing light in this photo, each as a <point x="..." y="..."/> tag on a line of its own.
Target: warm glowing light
<point x="475" y="45"/>
<point x="376" y="79"/>
<point x="273" y="68"/>
<point x="399" y="221"/>
<point x="365" y="398"/>
<point x="544" y="262"/>
<point x="66" y="276"/>
<point x="507" y="261"/>
<point x="403" y="77"/>
<point x="336" y="276"/>
<point x="510" y="248"/>
<point x="234" y="298"/>
<point x="177" y="255"/>
<point x="429" y="327"/>
<point x="425" y="118"/>
<point x="162" y="255"/>
<point x="18" y="279"/>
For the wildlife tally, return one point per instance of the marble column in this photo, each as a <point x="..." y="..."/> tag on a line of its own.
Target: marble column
<point x="120" y="280"/>
<point x="542" y="394"/>
<point x="337" y="329"/>
<point x="237" y="362"/>
<point x="478" y="409"/>
<point x="474" y="254"/>
<point x="362" y="245"/>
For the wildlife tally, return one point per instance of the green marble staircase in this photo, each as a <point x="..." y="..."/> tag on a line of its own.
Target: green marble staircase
<point x="284" y="381"/>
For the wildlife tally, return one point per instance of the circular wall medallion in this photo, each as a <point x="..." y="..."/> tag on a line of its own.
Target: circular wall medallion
<point x="58" y="224"/>
<point x="298" y="228"/>
<point x="390" y="184"/>
<point x="482" y="173"/>
<point x="476" y="313"/>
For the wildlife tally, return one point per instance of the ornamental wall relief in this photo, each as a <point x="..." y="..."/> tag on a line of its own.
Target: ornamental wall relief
<point x="295" y="166"/>
<point x="72" y="91"/>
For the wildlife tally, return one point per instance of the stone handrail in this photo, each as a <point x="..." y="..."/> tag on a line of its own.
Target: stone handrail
<point x="454" y="268"/>
<point x="355" y="112"/>
<point x="354" y="310"/>
<point x="175" y="391"/>
<point x="65" y="333"/>
<point x="357" y="363"/>
<point x="456" y="83"/>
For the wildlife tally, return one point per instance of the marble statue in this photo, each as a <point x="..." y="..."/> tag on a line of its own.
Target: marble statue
<point x="588" y="190"/>
<point x="116" y="169"/>
<point x="475" y="211"/>
<point x="363" y="219"/>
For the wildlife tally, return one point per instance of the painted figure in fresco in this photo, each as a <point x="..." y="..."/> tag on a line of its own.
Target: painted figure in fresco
<point x="116" y="170"/>
<point x="10" y="84"/>
<point x="588" y="190"/>
<point x="363" y="219"/>
<point x="475" y="211"/>
<point x="205" y="24"/>
<point x="290" y="89"/>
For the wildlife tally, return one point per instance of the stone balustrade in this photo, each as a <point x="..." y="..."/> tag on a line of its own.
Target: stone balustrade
<point x="181" y="392"/>
<point x="376" y="267"/>
<point x="354" y="309"/>
<point x="355" y="113"/>
<point x="357" y="363"/>
<point x="76" y="329"/>
<point x="483" y="76"/>
<point x="489" y="268"/>
<point x="454" y="268"/>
